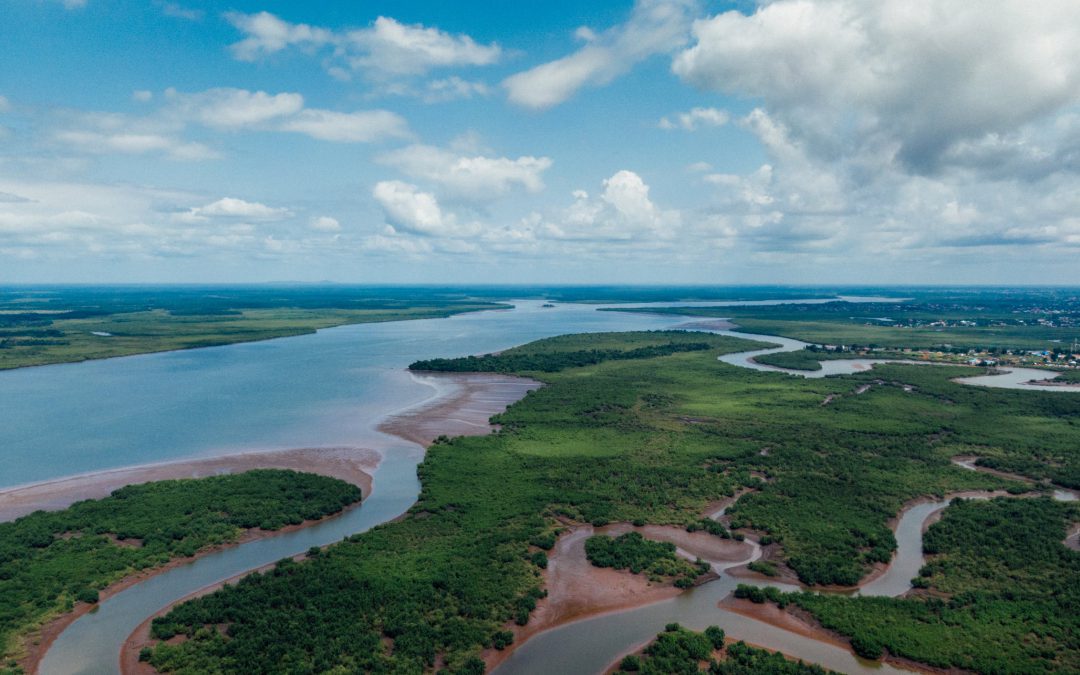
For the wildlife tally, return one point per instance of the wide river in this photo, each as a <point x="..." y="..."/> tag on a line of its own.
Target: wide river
<point x="328" y="389"/>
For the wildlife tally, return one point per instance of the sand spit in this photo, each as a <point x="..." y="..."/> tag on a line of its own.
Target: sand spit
<point x="462" y="406"/>
<point x="353" y="465"/>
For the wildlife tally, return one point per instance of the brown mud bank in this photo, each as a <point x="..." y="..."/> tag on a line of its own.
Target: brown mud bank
<point x="578" y="590"/>
<point x="353" y="465"/>
<point x="462" y="406"/>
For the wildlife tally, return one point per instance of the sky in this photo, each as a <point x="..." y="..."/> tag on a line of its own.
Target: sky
<point x="656" y="141"/>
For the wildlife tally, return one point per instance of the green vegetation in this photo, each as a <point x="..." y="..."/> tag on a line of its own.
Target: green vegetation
<point x="959" y="322"/>
<point x="678" y="651"/>
<point x="801" y="359"/>
<point x="1004" y="594"/>
<point x="633" y="552"/>
<point x="1069" y="376"/>
<point x="51" y="560"/>
<point x="555" y="354"/>
<point x="625" y="440"/>
<point x="60" y="325"/>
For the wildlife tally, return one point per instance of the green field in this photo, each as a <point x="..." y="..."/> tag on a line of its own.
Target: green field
<point x="49" y="561"/>
<point x="652" y="439"/>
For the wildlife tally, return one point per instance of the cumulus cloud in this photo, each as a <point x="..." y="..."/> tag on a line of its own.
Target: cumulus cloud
<point x="5" y="105"/>
<point x="473" y="177"/>
<point x="385" y="49"/>
<point x="410" y="210"/>
<point x="654" y="27"/>
<point x="623" y="211"/>
<point x="694" y="119"/>
<point x="905" y="79"/>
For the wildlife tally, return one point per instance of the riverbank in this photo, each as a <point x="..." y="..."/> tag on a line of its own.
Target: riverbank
<point x="353" y="465"/>
<point x="38" y="642"/>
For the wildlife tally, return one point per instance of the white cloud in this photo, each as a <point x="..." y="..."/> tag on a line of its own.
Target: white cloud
<point x="902" y="78"/>
<point x="267" y="34"/>
<point x="473" y="177"/>
<point x="416" y="212"/>
<point x="694" y="119"/>
<point x="102" y="142"/>
<point x="231" y="207"/>
<point x="622" y="212"/>
<point x="394" y="48"/>
<point x="142" y="95"/>
<point x="654" y="27"/>
<point x="226" y="108"/>
<point x="453" y="88"/>
<point x="386" y="49"/>
<point x="325" y="224"/>
<point x="5" y="105"/>
<point x="178" y="11"/>
<point x="356" y="127"/>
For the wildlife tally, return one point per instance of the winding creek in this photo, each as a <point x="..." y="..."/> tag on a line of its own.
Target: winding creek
<point x="332" y="389"/>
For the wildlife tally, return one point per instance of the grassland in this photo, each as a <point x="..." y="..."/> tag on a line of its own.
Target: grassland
<point x="652" y="439"/>
<point x="49" y="561"/>
<point x="78" y="324"/>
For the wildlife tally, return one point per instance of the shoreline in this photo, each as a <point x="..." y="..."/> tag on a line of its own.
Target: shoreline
<point x="350" y="464"/>
<point x="462" y="405"/>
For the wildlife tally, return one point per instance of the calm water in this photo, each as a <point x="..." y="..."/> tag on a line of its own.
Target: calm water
<point x="315" y="390"/>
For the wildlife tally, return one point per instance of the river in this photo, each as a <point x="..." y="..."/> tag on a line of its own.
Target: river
<point x="322" y="390"/>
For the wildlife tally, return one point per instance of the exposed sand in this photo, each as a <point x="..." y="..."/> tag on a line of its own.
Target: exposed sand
<point x="349" y="464"/>
<point x="577" y="589"/>
<point x="464" y="404"/>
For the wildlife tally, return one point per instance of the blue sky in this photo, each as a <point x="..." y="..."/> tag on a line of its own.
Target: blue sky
<point x="789" y="141"/>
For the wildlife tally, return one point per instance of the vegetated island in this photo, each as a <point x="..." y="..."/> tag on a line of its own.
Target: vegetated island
<point x="56" y="565"/>
<point x="68" y="324"/>
<point x="678" y="651"/>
